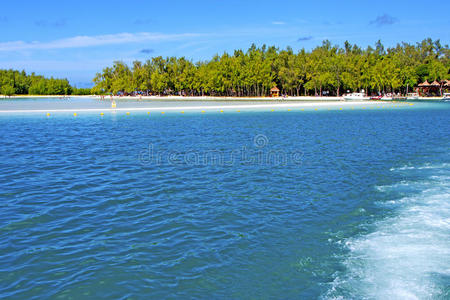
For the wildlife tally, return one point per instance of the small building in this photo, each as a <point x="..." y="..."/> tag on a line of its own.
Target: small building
<point x="435" y="84"/>
<point x="436" y="88"/>
<point x="275" y="92"/>
<point x="424" y="88"/>
<point x="431" y="89"/>
<point x="446" y="85"/>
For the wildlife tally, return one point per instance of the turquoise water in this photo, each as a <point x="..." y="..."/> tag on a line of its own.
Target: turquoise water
<point x="257" y="204"/>
<point x="85" y="103"/>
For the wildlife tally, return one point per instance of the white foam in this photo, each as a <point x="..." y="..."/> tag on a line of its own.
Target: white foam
<point x="423" y="167"/>
<point x="406" y="256"/>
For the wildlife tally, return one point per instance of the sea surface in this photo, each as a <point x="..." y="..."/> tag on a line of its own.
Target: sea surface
<point x="332" y="203"/>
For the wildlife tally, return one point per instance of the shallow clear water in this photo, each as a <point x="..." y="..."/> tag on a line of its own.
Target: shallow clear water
<point x="256" y="204"/>
<point x="95" y="103"/>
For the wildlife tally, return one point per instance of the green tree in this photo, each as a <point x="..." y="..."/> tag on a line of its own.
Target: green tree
<point x="8" y="90"/>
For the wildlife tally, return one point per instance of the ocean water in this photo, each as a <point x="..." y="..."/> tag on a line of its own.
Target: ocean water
<point x="260" y="204"/>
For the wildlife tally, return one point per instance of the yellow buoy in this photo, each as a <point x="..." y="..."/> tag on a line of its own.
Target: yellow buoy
<point x="74" y="114"/>
<point x="182" y="111"/>
<point x="113" y="104"/>
<point x="128" y="112"/>
<point x="302" y="109"/>
<point x="289" y="109"/>
<point x="148" y="113"/>
<point x="340" y="108"/>
<point x="48" y="114"/>
<point x="162" y="112"/>
<point x="315" y="108"/>
<point x="101" y="114"/>
<point x="221" y="111"/>
<point x="273" y="110"/>
<point x="238" y="111"/>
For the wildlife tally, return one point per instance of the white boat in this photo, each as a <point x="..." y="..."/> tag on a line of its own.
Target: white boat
<point x="412" y="96"/>
<point x="356" y="96"/>
<point x="446" y="97"/>
<point x="387" y="97"/>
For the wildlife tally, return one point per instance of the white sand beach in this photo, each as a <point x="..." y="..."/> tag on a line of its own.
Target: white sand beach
<point x="179" y="98"/>
<point x="105" y="106"/>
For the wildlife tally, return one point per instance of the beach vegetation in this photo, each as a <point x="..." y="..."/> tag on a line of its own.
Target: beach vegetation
<point x="325" y="70"/>
<point x="7" y="90"/>
<point x="13" y="82"/>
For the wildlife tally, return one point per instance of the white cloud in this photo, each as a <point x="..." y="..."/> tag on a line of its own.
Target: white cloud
<point x="92" y="41"/>
<point x="278" y="23"/>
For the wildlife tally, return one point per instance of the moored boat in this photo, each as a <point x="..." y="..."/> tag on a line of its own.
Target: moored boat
<point x="446" y="97"/>
<point x="356" y="96"/>
<point x="387" y="97"/>
<point x="412" y="96"/>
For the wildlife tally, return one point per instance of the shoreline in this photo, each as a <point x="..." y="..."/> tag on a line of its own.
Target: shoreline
<point x="206" y="98"/>
<point x="180" y="98"/>
<point x="206" y="107"/>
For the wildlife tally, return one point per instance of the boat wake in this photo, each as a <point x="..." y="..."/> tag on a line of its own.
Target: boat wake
<point x="407" y="255"/>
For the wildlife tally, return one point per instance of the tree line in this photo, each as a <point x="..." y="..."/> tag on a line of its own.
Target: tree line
<point x="13" y="82"/>
<point x="326" y="69"/>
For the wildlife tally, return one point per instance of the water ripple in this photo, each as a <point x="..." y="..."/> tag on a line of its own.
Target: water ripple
<point x="81" y="216"/>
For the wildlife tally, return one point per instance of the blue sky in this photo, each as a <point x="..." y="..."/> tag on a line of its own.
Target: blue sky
<point x="76" y="39"/>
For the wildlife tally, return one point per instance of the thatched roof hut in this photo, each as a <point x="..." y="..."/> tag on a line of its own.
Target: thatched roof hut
<point x="424" y="84"/>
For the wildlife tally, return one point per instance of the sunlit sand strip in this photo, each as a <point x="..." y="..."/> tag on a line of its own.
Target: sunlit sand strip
<point x="190" y="108"/>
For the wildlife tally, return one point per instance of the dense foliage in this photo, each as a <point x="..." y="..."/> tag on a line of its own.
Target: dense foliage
<point x="256" y="71"/>
<point x="19" y="83"/>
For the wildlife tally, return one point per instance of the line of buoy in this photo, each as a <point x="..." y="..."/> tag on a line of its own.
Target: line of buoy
<point x="272" y="110"/>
